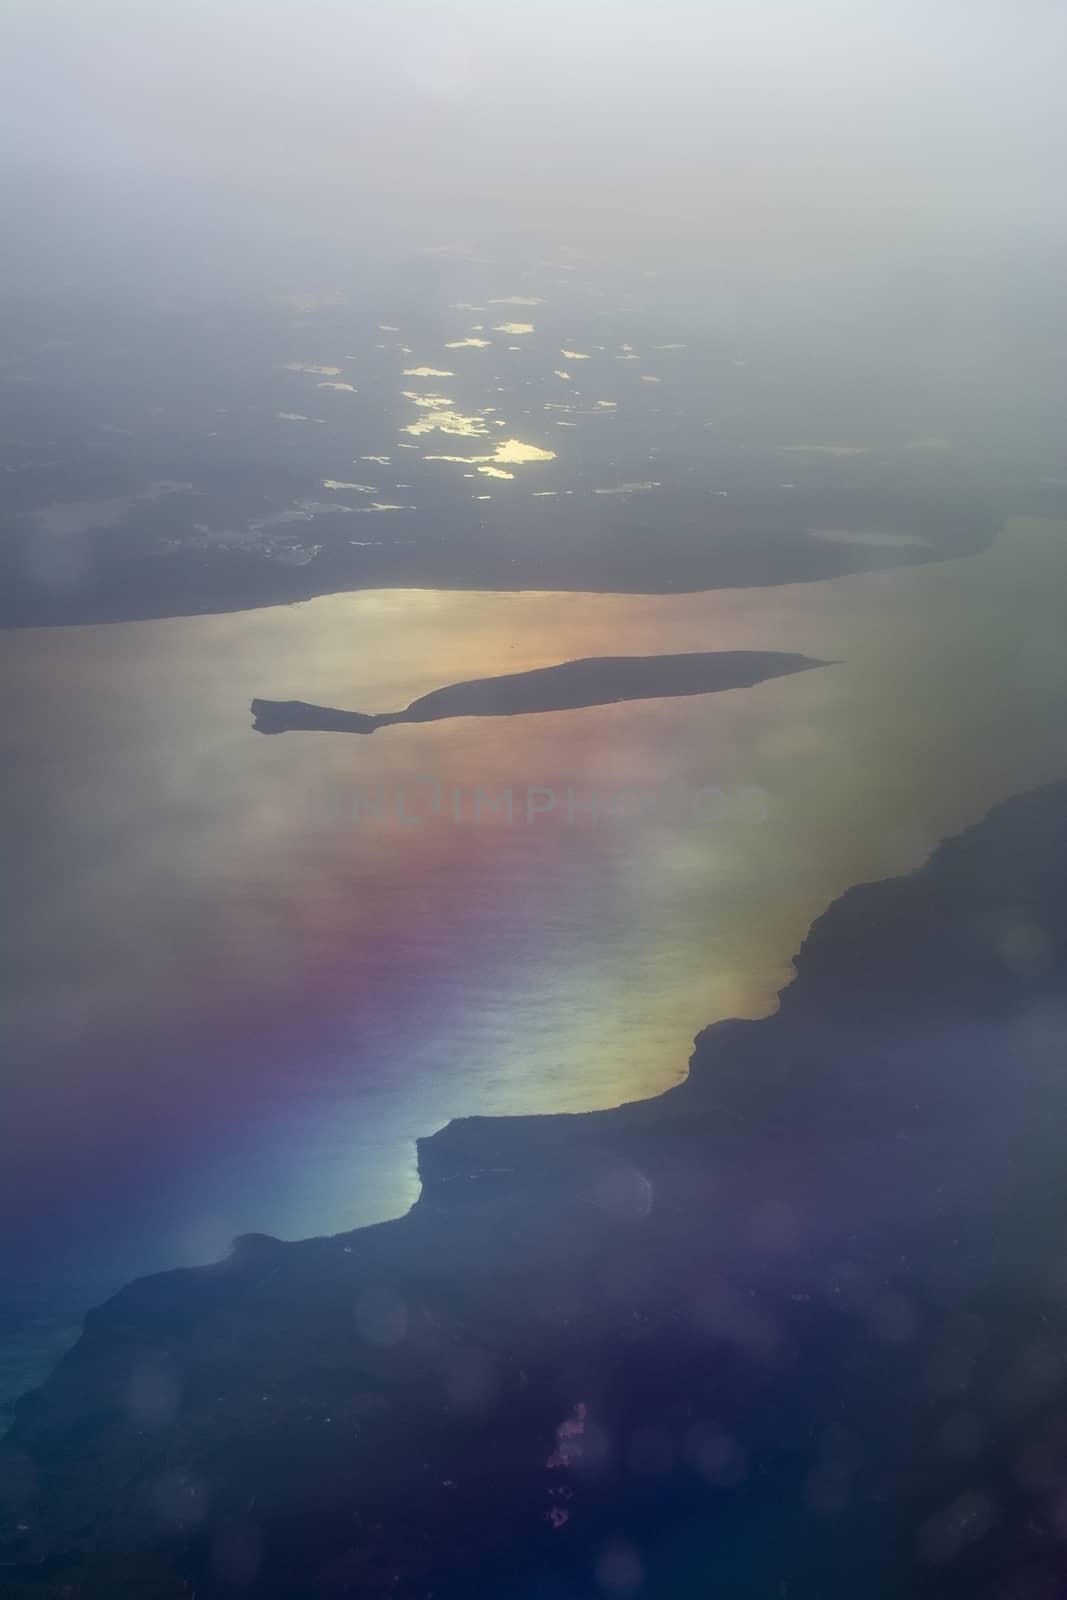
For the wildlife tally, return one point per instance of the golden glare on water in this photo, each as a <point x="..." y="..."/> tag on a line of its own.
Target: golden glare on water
<point x="440" y="416"/>
<point x="511" y="452"/>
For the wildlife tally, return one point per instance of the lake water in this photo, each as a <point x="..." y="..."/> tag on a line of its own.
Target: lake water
<point x="239" y="1005"/>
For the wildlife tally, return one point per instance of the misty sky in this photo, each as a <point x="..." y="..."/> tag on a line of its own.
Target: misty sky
<point x="896" y="116"/>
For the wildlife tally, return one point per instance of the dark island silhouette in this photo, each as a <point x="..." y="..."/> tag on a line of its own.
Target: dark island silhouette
<point x="795" y="1328"/>
<point x="596" y="681"/>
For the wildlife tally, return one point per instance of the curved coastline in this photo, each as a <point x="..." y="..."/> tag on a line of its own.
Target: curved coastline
<point x="809" y="1184"/>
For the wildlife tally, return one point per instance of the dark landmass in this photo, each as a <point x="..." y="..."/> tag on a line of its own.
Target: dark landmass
<point x="153" y="464"/>
<point x="797" y="1328"/>
<point x="101" y="579"/>
<point x="595" y="681"/>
